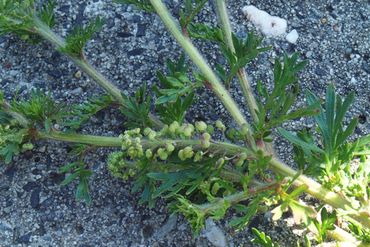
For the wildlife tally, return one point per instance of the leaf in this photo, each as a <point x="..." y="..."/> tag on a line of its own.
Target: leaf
<point x="137" y="108"/>
<point x="46" y="14"/>
<point x="141" y="4"/>
<point x="81" y="113"/>
<point x="297" y="141"/>
<point x="70" y="178"/>
<point x="78" y="38"/>
<point x="301" y="213"/>
<point x="262" y="239"/>
<point x="82" y="191"/>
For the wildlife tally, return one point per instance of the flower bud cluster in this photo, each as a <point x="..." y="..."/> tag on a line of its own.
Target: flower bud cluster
<point x="131" y="143"/>
<point x="118" y="167"/>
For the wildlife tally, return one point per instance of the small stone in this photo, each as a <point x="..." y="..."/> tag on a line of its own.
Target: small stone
<point x="78" y="74"/>
<point x="136" y="52"/>
<point x="25" y="239"/>
<point x="141" y="29"/>
<point x="167" y="227"/>
<point x="5" y="226"/>
<point x="214" y="234"/>
<point x="77" y="91"/>
<point x="35" y="198"/>
<point x="324" y="20"/>
<point x="292" y="36"/>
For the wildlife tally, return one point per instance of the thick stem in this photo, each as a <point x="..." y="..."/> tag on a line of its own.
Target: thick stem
<point x="196" y="57"/>
<point x="242" y="75"/>
<point x="317" y="190"/>
<point x="45" y="32"/>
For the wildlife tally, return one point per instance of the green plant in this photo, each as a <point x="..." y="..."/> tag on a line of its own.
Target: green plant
<point x="183" y="162"/>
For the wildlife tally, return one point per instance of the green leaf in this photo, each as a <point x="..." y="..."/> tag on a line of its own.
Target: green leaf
<point x="297" y="141"/>
<point x="137" y="108"/>
<point x="262" y="239"/>
<point x="78" y="38"/>
<point x="46" y="14"/>
<point x="82" y="191"/>
<point x="141" y="4"/>
<point x="69" y="179"/>
<point x="81" y="113"/>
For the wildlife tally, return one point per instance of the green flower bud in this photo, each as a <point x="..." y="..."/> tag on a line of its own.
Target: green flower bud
<point x="188" y="152"/>
<point x="206" y="136"/>
<point x="205" y="144"/>
<point x="147" y="131"/>
<point x="215" y="188"/>
<point x="181" y="155"/>
<point x="163" y="156"/>
<point x="220" y="162"/>
<point x="200" y="126"/>
<point x="220" y="125"/>
<point x="210" y="129"/>
<point x="173" y="127"/>
<point x="198" y="156"/>
<point x="244" y="130"/>
<point x="148" y="153"/>
<point x="170" y="147"/>
<point x="161" y="151"/>
<point x="188" y="132"/>
<point x="27" y="146"/>
<point x="152" y="135"/>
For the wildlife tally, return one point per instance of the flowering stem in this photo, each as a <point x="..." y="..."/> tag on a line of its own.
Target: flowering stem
<point x="313" y="188"/>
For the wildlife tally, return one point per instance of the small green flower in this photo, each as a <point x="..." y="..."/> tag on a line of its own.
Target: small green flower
<point x="201" y="126"/>
<point x="220" y="125"/>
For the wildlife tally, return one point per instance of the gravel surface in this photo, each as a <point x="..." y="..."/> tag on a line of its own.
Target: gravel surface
<point x="36" y="211"/>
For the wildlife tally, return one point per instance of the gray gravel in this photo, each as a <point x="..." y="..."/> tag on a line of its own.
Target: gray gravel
<point x="36" y="211"/>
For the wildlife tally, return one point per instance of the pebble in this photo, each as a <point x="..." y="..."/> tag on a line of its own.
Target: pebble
<point x="214" y="234"/>
<point x="78" y="74"/>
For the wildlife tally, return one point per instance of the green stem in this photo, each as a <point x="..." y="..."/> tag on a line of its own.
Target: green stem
<point x="19" y="117"/>
<point x="100" y="141"/>
<point x="242" y="75"/>
<point x="45" y="32"/>
<point x="317" y="190"/>
<point x="313" y="188"/>
<point x="196" y="57"/>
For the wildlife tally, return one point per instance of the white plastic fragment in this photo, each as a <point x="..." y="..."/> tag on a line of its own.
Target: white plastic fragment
<point x="214" y="234"/>
<point x="292" y="36"/>
<point x="269" y="25"/>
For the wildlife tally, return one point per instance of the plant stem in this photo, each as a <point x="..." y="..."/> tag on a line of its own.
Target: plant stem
<point x="45" y="32"/>
<point x="313" y="188"/>
<point x="196" y="57"/>
<point x="19" y="117"/>
<point x="242" y="75"/>
<point x="317" y="190"/>
<point x="100" y="141"/>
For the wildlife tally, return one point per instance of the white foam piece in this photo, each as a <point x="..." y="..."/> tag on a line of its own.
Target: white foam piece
<point x="269" y="25"/>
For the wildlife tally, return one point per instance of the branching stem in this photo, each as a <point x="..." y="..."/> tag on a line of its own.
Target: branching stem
<point x="212" y="81"/>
